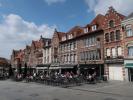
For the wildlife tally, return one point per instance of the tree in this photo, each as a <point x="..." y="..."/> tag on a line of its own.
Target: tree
<point x="20" y="69"/>
<point x="25" y="70"/>
<point x="10" y="71"/>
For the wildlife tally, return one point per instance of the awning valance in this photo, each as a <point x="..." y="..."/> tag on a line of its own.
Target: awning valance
<point x="129" y="65"/>
<point x="65" y="66"/>
<point x="43" y="65"/>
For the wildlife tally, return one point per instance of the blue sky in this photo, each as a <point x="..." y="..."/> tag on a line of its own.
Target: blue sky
<point x="22" y="21"/>
<point x="62" y="14"/>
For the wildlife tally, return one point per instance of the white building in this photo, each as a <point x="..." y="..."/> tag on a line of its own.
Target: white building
<point x="128" y="47"/>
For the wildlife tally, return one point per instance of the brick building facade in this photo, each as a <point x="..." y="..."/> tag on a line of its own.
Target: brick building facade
<point x="98" y="47"/>
<point x="68" y="49"/>
<point x="113" y="45"/>
<point x="90" y="48"/>
<point x="127" y="25"/>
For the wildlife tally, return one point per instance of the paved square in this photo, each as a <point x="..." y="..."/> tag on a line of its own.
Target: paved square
<point x="10" y="90"/>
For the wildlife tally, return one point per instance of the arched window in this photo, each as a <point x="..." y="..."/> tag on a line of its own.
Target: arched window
<point x="118" y="36"/>
<point x="112" y="36"/>
<point x="111" y="23"/>
<point x="107" y="37"/>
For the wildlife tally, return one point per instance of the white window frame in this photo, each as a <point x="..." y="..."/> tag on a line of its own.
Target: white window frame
<point x="119" y="51"/>
<point x="94" y="27"/>
<point x="129" y="31"/>
<point x="86" y="30"/>
<point x="113" y="50"/>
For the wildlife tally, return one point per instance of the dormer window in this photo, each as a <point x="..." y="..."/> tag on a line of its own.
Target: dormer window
<point x="63" y="38"/>
<point x="111" y="23"/>
<point x="70" y="36"/>
<point x="86" y="30"/>
<point x="94" y="27"/>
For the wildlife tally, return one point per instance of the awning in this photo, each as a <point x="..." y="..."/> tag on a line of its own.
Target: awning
<point x="54" y="67"/>
<point x="129" y="65"/>
<point x="65" y="66"/>
<point x="87" y="66"/>
<point x="43" y="65"/>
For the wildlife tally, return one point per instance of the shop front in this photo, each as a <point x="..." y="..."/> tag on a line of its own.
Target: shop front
<point x="63" y="68"/>
<point x="129" y="70"/>
<point x="87" y="69"/>
<point x="42" y="68"/>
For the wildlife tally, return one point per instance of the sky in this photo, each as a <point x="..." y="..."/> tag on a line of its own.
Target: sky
<point x="22" y="21"/>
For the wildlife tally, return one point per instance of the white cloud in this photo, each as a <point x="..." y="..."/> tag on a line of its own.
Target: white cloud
<point x="101" y="6"/>
<point x="53" y="1"/>
<point x="15" y="33"/>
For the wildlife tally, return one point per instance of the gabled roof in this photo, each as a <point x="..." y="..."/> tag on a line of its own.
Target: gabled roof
<point x="15" y="52"/>
<point x="98" y="19"/>
<point x="121" y="16"/>
<point x="129" y="16"/>
<point x="111" y="9"/>
<point x="3" y="61"/>
<point x="28" y="47"/>
<point x="74" y="29"/>
<point x="36" y="44"/>
<point x="59" y="34"/>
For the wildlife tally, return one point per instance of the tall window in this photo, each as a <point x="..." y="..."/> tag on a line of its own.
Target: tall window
<point x="118" y="36"/>
<point x="129" y="31"/>
<point x="112" y="36"/>
<point x="89" y="57"/>
<point x="119" y="51"/>
<point x="108" y="52"/>
<point x="107" y="37"/>
<point x="130" y="51"/>
<point x="111" y="23"/>
<point x="113" y="52"/>
<point x="65" y="58"/>
<point x="74" y="45"/>
<point x="81" y="56"/>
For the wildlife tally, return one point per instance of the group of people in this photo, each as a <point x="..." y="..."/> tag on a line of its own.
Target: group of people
<point x="55" y="76"/>
<point x="4" y="75"/>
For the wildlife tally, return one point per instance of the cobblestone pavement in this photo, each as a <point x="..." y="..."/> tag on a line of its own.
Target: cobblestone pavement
<point x="10" y="90"/>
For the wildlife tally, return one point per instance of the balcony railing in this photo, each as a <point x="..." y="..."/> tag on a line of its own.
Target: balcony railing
<point x="118" y="59"/>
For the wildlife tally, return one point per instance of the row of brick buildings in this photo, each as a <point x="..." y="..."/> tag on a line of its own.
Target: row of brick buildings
<point x="104" y="46"/>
